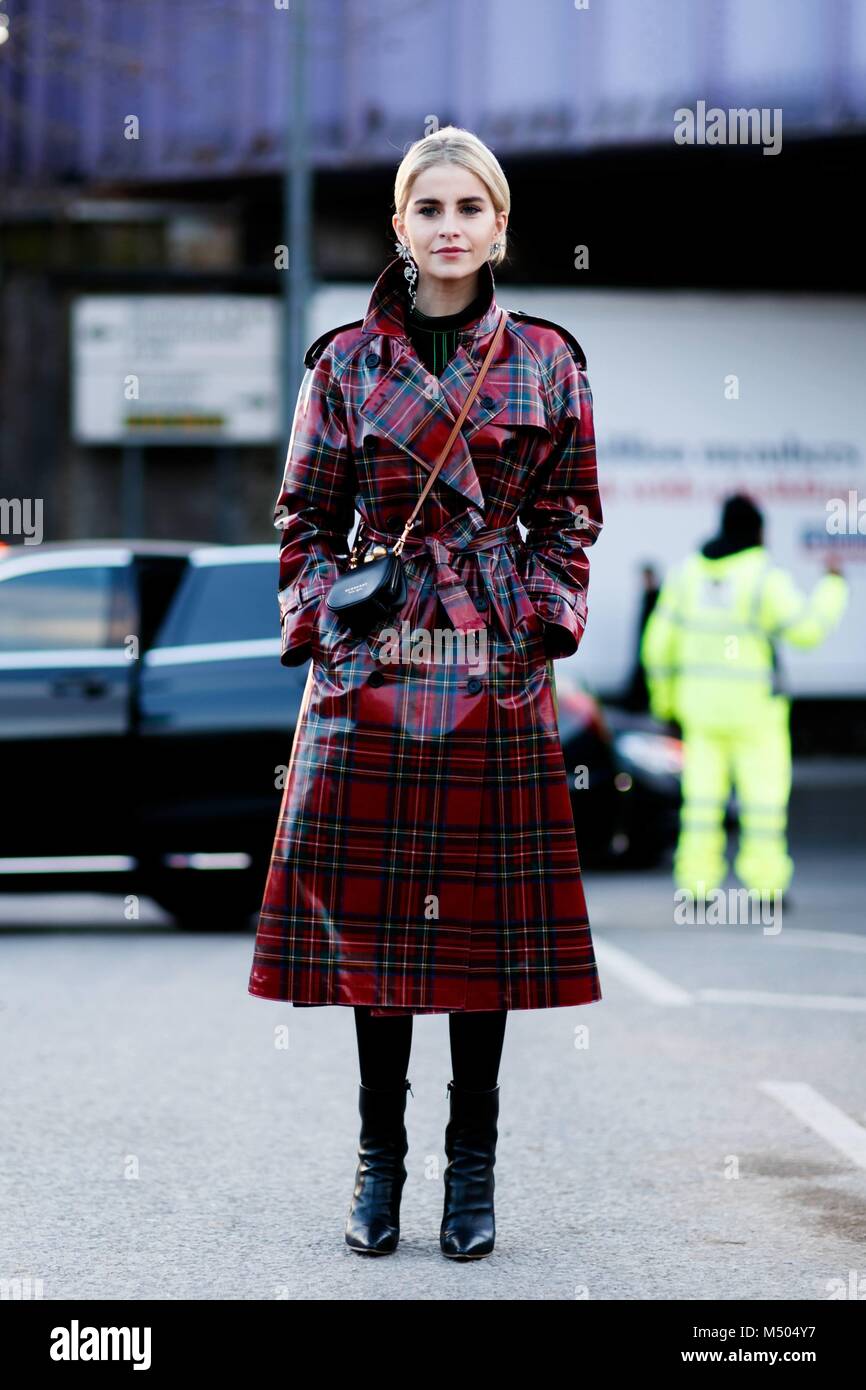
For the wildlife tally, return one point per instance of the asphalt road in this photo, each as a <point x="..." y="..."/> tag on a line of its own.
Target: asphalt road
<point x="698" y="1133"/>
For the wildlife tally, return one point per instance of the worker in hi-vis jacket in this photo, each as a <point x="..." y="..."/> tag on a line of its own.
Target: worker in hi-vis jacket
<point x="711" y="665"/>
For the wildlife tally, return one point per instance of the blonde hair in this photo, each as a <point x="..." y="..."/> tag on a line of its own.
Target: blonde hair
<point x="453" y="145"/>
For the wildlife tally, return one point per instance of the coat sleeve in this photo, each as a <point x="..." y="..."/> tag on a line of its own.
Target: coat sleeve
<point x="315" y="508"/>
<point x="790" y="616"/>
<point x="563" y="515"/>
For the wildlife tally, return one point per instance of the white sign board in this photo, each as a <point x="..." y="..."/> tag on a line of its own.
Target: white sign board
<point x="176" y="369"/>
<point x="697" y="395"/>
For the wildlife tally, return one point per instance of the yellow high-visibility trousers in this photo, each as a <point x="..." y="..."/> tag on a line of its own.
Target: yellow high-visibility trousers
<point x="756" y="759"/>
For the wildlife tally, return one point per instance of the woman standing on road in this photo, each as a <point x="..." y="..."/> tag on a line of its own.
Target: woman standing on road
<point x="425" y="858"/>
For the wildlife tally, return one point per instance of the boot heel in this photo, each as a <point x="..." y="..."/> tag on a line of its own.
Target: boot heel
<point x="373" y="1225"/>
<point x="468" y="1229"/>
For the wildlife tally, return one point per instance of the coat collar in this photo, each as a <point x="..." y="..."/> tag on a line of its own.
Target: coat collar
<point x="417" y="411"/>
<point x="386" y="310"/>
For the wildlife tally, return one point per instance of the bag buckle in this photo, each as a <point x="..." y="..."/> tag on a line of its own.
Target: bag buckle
<point x="404" y="533"/>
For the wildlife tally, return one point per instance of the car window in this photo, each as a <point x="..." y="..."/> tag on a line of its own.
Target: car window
<point x="223" y="603"/>
<point x="57" y="609"/>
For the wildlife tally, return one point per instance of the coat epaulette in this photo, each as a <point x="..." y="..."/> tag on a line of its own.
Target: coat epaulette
<point x="577" y="351"/>
<point x="315" y="350"/>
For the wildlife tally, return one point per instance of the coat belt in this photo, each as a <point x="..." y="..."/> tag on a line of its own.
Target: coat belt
<point x="452" y="591"/>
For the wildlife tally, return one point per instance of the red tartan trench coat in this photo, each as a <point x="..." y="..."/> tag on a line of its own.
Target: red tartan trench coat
<point x="425" y="857"/>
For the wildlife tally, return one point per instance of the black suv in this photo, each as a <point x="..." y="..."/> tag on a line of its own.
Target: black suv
<point x="146" y="722"/>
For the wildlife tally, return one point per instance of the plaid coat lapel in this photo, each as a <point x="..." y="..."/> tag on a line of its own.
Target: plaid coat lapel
<point x="413" y="408"/>
<point x="417" y="414"/>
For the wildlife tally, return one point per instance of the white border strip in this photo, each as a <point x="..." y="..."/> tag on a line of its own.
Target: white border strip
<point x="236" y="554"/>
<point x="62" y="560"/>
<point x="212" y="651"/>
<point x="64" y="656"/>
<point x="68" y="864"/>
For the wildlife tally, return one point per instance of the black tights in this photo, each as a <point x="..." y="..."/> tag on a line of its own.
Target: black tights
<point x="384" y="1045"/>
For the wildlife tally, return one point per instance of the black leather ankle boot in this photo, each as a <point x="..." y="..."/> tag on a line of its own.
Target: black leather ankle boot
<point x="373" y="1227"/>
<point x="468" y="1227"/>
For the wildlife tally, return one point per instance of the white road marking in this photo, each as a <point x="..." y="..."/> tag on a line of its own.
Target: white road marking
<point x="826" y="940"/>
<point x="846" y="1003"/>
<point x="822" y="1116"/>
<point x="642" y="979"/>
<point x="649" y="984"/>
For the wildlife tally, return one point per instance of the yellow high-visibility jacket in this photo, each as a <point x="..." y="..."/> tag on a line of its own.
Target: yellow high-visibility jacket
<point x="708" y="648"/>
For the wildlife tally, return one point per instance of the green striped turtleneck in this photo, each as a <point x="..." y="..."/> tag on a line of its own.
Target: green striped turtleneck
<point x="434" y="337"/>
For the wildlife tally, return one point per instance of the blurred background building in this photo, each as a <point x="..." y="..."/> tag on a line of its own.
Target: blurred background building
<point x="204" y="185"/>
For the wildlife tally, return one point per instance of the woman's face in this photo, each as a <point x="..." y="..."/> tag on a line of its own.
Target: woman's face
<point x="450" y="222"/>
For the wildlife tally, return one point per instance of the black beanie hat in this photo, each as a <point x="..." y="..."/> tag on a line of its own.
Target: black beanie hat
<point x="741" y="518"/>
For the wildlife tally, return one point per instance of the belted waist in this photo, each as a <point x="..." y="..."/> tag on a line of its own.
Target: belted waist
<point x="452" y="591"/>
<point x="433" y="540"/>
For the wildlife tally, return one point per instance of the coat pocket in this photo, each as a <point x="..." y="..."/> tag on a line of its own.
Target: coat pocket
<point x="537" y="604"/>
<point x="333" y="638"/>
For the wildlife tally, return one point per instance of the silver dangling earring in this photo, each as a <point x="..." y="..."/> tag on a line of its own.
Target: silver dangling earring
<point x="495" y="249"/>
<point x="410" y="270"/>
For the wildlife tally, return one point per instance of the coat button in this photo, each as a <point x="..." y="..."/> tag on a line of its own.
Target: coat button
<point x="376" y="678"/>
<point x="480" y="602"/>
<point x="372" y="359"/>
<point x="488" y="402"/>
<point x="473" y="685"/>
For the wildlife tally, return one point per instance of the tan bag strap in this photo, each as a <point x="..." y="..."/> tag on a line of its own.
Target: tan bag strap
<point x="482" y="372"/>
